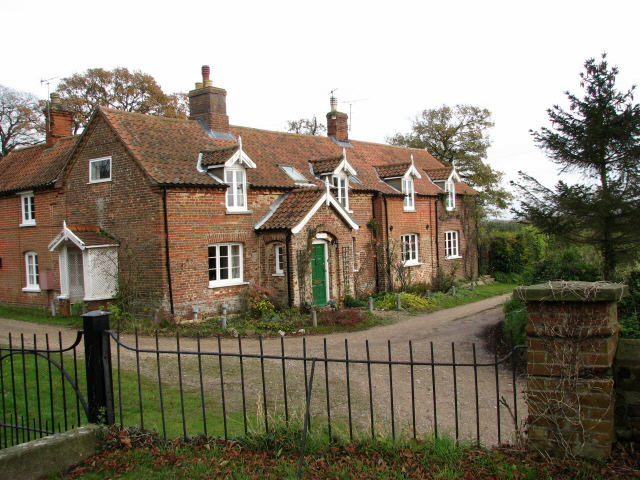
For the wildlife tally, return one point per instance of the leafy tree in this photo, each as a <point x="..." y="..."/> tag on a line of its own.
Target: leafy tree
<point x="120" y="89"/>
<point x="308" y="126"/>
<point x="458" y="136"/>
<point x="599" y="139"/>
<point x="20" y="120"/>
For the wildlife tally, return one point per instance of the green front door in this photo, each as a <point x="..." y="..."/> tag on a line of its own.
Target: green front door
<point x="319" y="275"/>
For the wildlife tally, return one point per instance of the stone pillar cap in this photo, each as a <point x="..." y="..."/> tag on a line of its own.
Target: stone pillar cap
<point x="563" y="291"/>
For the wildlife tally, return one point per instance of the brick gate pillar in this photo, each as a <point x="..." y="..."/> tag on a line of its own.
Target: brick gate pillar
<point x="572" y="335"/>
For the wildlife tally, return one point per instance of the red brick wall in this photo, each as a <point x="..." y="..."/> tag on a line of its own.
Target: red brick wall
<point x="15" y="241"/>
<point x="127" y="207"/>
<point x="461" y="221"/>
<point x="197" y="219"/>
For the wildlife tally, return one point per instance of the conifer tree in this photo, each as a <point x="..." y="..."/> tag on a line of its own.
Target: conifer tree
<point x="599" y="139"/>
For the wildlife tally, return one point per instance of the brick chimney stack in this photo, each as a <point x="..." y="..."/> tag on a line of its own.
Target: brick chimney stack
<point x="337" y="122"/>
<point x="209" y="103"/>
<point x="59" y="122"/>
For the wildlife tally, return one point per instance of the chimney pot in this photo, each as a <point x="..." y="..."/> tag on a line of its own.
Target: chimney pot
<point x="333" y="103"/>
<point x="208" y="103"/>
<point x="55" y="100"/>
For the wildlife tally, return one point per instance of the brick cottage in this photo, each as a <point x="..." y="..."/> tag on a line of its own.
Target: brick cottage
<point x="183" y="215"/>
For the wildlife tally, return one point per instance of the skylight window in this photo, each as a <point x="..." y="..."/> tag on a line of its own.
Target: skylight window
<point x="294" y="174"/>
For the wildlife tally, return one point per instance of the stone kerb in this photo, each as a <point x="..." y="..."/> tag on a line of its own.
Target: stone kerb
<point x="572" y="336"/>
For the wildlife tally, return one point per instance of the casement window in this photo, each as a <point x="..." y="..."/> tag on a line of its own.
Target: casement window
<point x="410" y="249"/>
<point x="341" y="182"/>
<point x="279" y="259"/>
<point x="100" y="170"/>
<point x="450" y="188"/>
<point x="33" y="276"/>
<point x="225" y="264"/>
<point x="409" y="194"/>
<point x="27" y="201"/>
<point x="236" y="178"/>
<point x="451" y="244"/>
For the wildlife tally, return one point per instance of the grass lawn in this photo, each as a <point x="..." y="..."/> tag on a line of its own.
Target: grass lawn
<point x="37" y="315"/>
<point x="60" y="407"/>
<point x="131" y="455"/>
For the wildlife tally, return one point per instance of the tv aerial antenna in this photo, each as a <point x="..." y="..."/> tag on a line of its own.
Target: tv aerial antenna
<point x="47" y="81"/>
<point x="350" y="103"/>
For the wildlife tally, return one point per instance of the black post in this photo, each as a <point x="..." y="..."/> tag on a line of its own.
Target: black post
<point x="97" y="355"/>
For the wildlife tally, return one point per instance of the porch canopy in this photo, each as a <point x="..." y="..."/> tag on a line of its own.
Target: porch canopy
<point x="88" y="260"/>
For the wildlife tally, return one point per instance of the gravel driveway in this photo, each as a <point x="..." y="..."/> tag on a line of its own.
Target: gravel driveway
<point x="463" y="325"/>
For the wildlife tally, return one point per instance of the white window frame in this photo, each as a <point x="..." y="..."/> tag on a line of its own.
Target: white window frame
<point x="341" y="182"/>
<point x="100" y="180"/>
<point x="410" y="255"/>
<point x="450" y="188"/>
<point x="232" y="192"/>
<point x="409" y="201"/>
<point x="32" y="272"/>
<point x="451" y="244"/>
<point x="230" y="280"/>
<point x="279" y="260"/>
<point x="27" y="205"/>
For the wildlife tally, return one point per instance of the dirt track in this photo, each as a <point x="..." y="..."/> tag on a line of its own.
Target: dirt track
<point x="462" y="325"/>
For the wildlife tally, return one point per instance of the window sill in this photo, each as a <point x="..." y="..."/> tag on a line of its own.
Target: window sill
<point x="278" y="274"/>
<point x="227" y="284"/>
<point x="409" y="210"/>
<point x="453" y="257"/>
<point x="31" y="289"/>
<point x="239" y="212"/>
<point x="28" y="224"/>
<point x="448" y="209"/>
<point x="412" y="263"/>
<point x="91" y="182"/>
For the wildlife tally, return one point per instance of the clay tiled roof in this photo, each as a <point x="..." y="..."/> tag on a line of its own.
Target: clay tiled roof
<point x="293" y="209"/>
<point x="34" y="167"/>
<point x="439" y="174"/>
<point x="167" y="149"/>
<point x="218" y="156"/>
<point x="394" y="170"/>
<point x="325" y="165"/>
<point x="92" y="235"/>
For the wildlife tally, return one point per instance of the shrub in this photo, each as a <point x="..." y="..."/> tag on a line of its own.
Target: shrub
<point x="443" y="281"/>
<point x="569" y="263"/>
<point x="419" y="289"/>
<point x="388" y="301"/>
<point x="342" y="318"/>
<point x="515" y="319"/>
<point x="629" y="307"/>
<point x="260" y="301"/>
<point x="351" y="302"/>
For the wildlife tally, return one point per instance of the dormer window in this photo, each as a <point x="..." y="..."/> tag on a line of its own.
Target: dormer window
<point x="236" y="198"/>
<point x="450" y="189"/>
<point x="409" y="194"/>
<point x="341" y="182"/>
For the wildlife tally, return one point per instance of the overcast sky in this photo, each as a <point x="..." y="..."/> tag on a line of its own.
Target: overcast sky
<point x="279" y="60"/>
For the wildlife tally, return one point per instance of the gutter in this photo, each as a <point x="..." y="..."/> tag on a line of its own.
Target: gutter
<point x="437" y="237"/>
<point x="386" y="221"/>
<point x="375" y="264"/>
<point x="166" y="248"/>
<point x="287" y="245"/>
